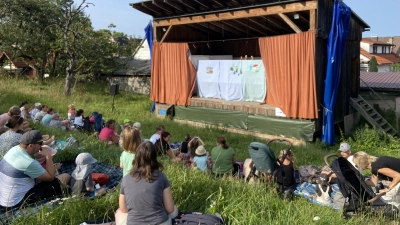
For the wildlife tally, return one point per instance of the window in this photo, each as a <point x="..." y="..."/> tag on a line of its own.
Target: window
<point x="383" y="49"/>
<point x="374" y="49"/>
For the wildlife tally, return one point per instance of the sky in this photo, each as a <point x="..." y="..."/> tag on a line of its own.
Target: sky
<point x="382" y="15"/>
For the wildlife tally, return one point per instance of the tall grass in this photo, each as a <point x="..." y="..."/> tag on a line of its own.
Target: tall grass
<point x="192" y="190"/>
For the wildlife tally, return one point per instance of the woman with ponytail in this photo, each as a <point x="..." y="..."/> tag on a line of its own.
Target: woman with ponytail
<point x="382" y="168"/>
<point x="224" y="159"/>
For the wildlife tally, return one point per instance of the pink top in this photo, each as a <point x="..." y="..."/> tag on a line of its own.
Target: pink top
<point x="72" y="111"/>
<point x="106" y="134"/>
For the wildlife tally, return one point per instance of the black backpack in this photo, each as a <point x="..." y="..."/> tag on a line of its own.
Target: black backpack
<point x="195" y="218"/>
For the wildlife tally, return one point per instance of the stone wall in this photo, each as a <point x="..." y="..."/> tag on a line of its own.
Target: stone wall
<point x="133" y="84"/>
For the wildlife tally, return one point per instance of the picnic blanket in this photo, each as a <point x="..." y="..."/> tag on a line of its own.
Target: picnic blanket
<point x="309" y="190"/>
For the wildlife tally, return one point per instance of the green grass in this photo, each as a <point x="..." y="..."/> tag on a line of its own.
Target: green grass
<point x="236" y="201"/>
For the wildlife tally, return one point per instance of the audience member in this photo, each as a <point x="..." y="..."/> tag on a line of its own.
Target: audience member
<point x="146" y="188"/>
<point x="81" y="178"/>
<point x="131" y="141"/>
<point x="126" y="123"/>
<point x="57" y="121"/>
<point x="285" y="178"/>
<point x="15" y="190"/>
<point x="39" y="116"/>
<point x="162" y="144"/>
<point x="184" y="148"/>
<point x="48" y="117"/>
<point x="201" y="159"/>
<point x="108" y="133"/>
<point x="13" y="111"/>
<point x="78" y="120"/>
<point x="155" y="137"/>
<point x="38" y="107"/>
<point x="223" y="158"/>
<point x="11" y="137"/>
<point x="71" y="112"/>
<point x="24" y="107"/>
<point x="345" y="151"/>
<point x="138" y="126"/>
<point x="382" y="168"/>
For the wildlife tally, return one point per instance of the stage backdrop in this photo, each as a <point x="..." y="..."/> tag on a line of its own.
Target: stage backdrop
<point x="172" y="74"/>
<point x="289" y="62"/>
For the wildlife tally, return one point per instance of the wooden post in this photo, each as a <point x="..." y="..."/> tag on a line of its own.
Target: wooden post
<point x="166" y="33"/>
<point x="154" y="33"/>
<point x="312" y="20"/>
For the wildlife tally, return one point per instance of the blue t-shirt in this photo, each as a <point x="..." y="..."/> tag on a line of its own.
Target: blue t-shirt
<point x="201" y="162"/>
<point x="46" y="119"/>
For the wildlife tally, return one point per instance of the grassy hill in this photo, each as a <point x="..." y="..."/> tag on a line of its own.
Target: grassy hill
<point x="237" y="202"/>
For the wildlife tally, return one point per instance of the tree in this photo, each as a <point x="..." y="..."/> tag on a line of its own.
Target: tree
<point x="373" y="65"/>
<point x="395" y="67"/>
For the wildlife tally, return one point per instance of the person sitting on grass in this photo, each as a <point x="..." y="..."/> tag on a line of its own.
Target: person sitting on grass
<point x="81" y="178"/>
<point x="184" y="147"/>
<point x="57" y="166"/>
<point x="71" y="112"/>
<point x="38" y="108"/>
<point x="16" y="190"/>
<point x="24" y="107"/>
<point x="131" y="141"/>
<point x="57" y="121"/>
<point x="108" y="133"/>
<point x="138" y="127"/>
<point x="78" y="120"/>
<point x="163" y="146"/>
<point x="224" y="159"/>
<point x="155" y="137"/>
<point x="145" y="196"/>
<point x="193" y="144"/>
<point x="285" y="177"/>
<point x="13" y="135"/>
<point x="39" y="116"/>
<point x="200" y="161"/>
<point x="48" y="117"/>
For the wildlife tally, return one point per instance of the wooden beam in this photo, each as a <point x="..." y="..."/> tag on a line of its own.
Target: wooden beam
<point x="229" y="29"/>
<point x="276" y="24"/>
<point x="149" y="8"/>
<point x="166" y="34"/>
<point x="238" y="14"/>
<point x="204" y="4"/>
<point x="312" y="20"/>
<point x="234" y="26"/>
<point x="155" y="33"/>
<point x="164" y="7"/>
<point x="188" y="5"/>
<point x="204" y="30"/>
<point x="250" y="27"/>
<point x="263" y="26"/>
<point x="290" y="23"/>
<point x="174" y="5"/>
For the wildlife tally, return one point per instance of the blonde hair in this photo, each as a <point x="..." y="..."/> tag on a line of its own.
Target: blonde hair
<point x="131" y="139"/>
<point x="14" y="111"/>
<point x="71" y="106"/>
<point x="286" y="152"/>
<point x="363" y="160"/>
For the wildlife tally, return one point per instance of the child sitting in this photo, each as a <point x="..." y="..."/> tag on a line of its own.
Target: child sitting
<point x="71" y="112"/>
<point x="81" y="178"/>
<point x="285" y="174"/>
<point x="184" y="148"/>
<point x="201" y="158"/>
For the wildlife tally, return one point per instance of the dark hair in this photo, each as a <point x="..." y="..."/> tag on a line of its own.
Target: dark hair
<point x="221" y="140"/>
<point x="187" y="137"/>
<point x="194" y="144"/>
<point x="160" y="127"/>
<point x="79" y="112"/>
<point x="50" y="110"/>
<point x="14" y="121"/>
<point x="23" y="103"/>
<point x="165" y="134"/>
<point x="145" y="162"/>
<point x="109" y="122"/>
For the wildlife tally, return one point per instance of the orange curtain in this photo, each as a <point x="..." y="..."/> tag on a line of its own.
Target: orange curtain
<point x="172" y="74"/>
<point x="289" y="62"/>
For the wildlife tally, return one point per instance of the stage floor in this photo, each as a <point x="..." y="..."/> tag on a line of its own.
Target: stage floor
<point x="250" y="107"/>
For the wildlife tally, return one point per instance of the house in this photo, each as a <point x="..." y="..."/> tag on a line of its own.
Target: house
<point x="382" y="52"/>
<point x="395" y="40"/>
<point x="142" y="52"/>
<point x="132" y="76"/>
<point x="265" y="31"/>
<point x="17" y="66"/>
<point x="381" y="88"/>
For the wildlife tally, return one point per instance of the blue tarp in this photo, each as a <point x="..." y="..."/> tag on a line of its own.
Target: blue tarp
<point x="149" y="38"/>
<point x="336" y="45"/>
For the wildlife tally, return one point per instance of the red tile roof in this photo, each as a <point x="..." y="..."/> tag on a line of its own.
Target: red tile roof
<point x="372" y="42"/>
<point x="18" y="63"/>
<point x="381" y="58"/>
<point x="380" y="80"/>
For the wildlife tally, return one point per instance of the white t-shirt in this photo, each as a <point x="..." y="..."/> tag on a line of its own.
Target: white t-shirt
<point x="78" y="121"/>
<point x="154" y="138"/>
<point x="22" y="111"/>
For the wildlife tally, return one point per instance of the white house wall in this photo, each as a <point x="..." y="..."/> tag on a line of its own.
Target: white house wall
<point x="364" y="59"/>
<point x="384" y="68"/>
<point x="365" y="46"/>
<point x="144" y="52"/>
